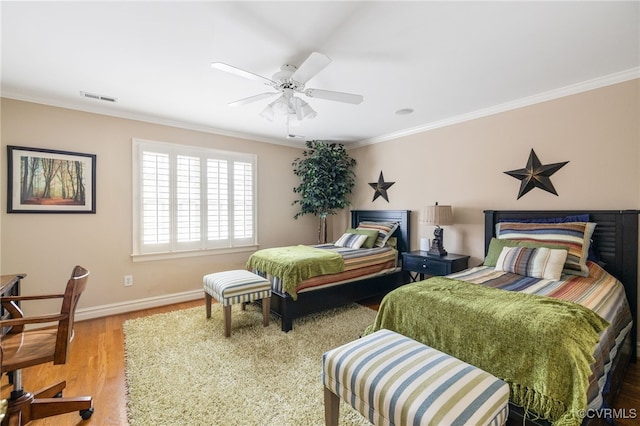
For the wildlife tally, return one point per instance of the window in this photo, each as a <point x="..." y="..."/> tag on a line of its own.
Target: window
<point x="191" y="198"/>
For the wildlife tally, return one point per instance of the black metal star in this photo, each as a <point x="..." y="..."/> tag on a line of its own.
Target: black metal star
<point x="381" y="188"/>
<point x="536" y="175"/>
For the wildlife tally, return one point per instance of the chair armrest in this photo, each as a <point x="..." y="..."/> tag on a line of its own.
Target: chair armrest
<point x="37" y="319"/>
<point x="39" y="297"/>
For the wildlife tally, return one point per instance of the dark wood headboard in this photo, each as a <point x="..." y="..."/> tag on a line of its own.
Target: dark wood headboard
<point x="403" y="217"/>
<point x="615" y="239"/>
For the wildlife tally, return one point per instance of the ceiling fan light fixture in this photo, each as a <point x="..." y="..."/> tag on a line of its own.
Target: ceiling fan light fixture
<point x="267" y="112"/>
<point x="298" y="112"/>
<point x="301" y="109"/>
<point x="288" y="82"/>
<point x="306" y="111"/>
<point x="280" y="106"/>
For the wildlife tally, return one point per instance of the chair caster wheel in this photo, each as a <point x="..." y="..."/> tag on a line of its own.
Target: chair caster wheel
<point x="58" y="395"/>
<point x="86" y="414"/>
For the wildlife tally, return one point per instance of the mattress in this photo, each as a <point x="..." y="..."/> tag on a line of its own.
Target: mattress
<point x="358" y="264"/>
<point x="600" y="292"/>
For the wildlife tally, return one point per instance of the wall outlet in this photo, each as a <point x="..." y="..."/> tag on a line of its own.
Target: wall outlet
<point x="128" y="280"/>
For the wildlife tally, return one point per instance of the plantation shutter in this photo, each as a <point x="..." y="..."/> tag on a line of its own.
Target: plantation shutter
<point x="156" y="229"/>
<point x="243" y="202"/>
<point x="192" y="198"/>
<point x="218" y="200"/>
<point x="188" y="199"/>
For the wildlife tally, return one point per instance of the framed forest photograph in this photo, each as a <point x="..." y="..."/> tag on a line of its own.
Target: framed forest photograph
<point x="50" y="181"/>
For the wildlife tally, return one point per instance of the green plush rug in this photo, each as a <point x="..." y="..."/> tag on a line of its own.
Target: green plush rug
<point x="181" y="370"/>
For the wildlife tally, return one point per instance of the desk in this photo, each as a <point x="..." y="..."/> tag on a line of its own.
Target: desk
<point x="9" y="286"/>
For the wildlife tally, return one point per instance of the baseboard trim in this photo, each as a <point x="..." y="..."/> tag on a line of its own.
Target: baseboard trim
<point x="136" y="305"/>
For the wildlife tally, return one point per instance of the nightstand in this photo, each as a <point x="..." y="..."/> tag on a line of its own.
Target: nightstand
<point x="420" y="263"/>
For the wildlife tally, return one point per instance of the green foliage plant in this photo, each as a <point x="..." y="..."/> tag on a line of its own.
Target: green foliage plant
<point x="327" y="177"/>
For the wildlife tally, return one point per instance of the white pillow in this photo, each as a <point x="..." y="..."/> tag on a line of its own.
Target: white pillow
<point x="351" y="240"/>
<point x="538" y="262"/>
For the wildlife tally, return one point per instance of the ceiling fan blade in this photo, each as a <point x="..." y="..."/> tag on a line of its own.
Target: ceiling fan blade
<point x="242" y="73"/>
<point x="349" y="98"/>
<point x="315" y="63"/>
<point x="253" y="98"/>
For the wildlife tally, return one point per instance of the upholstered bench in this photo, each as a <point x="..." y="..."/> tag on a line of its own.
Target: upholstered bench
<point x="394" y="380"/>
<point x="233" y="287"/>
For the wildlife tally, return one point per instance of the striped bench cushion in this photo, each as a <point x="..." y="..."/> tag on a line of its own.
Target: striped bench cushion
<point x="394" y="380"/>
<point x="237" y="286"/>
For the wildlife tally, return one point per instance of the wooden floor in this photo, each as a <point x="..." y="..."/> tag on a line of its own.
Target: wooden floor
<point x="96" y="368"/>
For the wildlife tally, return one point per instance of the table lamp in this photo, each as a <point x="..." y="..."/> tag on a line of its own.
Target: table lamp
<point x="437" y="215"/>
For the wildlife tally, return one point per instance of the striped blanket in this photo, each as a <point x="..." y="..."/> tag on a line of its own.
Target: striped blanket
<point x="358" y="263"/>
<point x="600" y="292"/>
<point x="541" y="346"/>
<point x="295" y="263"/>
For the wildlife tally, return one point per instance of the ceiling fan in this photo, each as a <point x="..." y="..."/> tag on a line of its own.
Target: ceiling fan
<point x="288" y="82"/>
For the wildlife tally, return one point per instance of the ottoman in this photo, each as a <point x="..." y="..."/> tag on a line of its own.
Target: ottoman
<point x="233" y="287"/>
<point x="394" y="380"/>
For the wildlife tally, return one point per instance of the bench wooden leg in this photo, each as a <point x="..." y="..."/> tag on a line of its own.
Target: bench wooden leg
<point x="227" y="321"/>
<point x="331" y="408"/>
<point x="266" y="304"/>
<point x="207" y="303"/>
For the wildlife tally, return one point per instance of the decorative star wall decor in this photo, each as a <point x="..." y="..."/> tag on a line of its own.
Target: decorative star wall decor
<point x="535" y="175"/>
<point x="380" y="187"/>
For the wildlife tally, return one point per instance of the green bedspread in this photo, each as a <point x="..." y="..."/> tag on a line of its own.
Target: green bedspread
<point x="294" y="264"/>
<point x="541" y="346"/>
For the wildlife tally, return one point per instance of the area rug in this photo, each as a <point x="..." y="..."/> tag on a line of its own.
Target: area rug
<point x="181" y="370"/>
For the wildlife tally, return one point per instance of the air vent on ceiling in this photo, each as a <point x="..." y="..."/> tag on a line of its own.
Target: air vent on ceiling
<point x="98" y="97"/>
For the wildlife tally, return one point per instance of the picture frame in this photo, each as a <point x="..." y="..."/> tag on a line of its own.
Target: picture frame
<point x="50" y="181"/>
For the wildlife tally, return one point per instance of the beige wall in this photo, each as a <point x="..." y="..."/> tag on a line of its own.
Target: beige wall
<point x="598" y="132"/>
<point x="47" y="246"/>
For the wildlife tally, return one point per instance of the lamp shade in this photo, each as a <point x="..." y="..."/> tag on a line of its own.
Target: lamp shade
<point x="437" y="215"/>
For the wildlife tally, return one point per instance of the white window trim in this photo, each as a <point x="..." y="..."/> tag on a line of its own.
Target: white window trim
<point x="138" y="254"/>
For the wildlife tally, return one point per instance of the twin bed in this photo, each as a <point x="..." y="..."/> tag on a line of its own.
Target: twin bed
<point x="374" y="274"/>
<point x="564" y="354"/>
<point x="542" y="346"/>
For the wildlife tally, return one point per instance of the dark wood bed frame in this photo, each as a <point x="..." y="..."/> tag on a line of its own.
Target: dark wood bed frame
<point x="283" y="305"/>
<point x="615" y="239"/>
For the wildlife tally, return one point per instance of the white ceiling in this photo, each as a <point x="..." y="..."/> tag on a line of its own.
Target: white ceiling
<point x="449" y="61"/>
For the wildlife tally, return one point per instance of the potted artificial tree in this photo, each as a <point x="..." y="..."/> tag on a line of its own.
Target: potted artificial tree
<point x="326" y="178"/>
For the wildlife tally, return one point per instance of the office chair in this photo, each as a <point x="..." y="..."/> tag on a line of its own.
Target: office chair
<point x="25" y="348"/>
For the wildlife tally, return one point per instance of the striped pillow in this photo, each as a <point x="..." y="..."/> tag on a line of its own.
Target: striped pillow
<point x="371" y="234"/>
<point x="575" y="235"/>
<point x="385" y="230"/>
<point x="496" y="246"/>
<point x="540" y="262"/>
<point x="351" y="240"/>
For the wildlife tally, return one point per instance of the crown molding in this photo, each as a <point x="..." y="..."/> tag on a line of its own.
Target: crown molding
<point x="573" y="89"/>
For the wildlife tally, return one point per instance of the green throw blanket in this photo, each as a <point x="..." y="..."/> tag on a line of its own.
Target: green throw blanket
<point x="296" y="263"/>
<point x="541" y="346"/>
